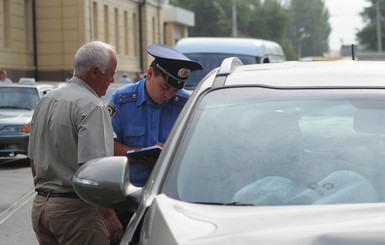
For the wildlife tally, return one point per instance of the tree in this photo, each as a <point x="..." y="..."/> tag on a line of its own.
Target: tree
<point x="288" y="49"/>
<point x="268" y="20"/>
<point x="310" y="29"/>
<point x="212" y="18"/>
<point x="367" y="37"/>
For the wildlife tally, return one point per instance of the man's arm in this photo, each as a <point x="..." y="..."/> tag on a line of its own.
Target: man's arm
<point x="114" y="227"/>
<point x="33" y="168"/>
<point x="112" y="223"/>
<point x="121" y="150"/>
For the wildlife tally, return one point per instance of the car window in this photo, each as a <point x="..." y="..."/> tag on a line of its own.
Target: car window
<point x="107" y="97"/>
<point x="18" y="97"/>
<point x="111" y="89"/>
<point x="210" y="61"/>
<point x="303" y="148"/>
<point x="45" y="90"/>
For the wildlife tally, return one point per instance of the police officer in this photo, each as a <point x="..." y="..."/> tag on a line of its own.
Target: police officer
<point x="143" y="113"/>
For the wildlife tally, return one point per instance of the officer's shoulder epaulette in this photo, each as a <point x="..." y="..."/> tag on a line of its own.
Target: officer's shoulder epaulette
<point x="126" y="94"/>
<point x="180" y="99"/>
<point x="126" y="97"/>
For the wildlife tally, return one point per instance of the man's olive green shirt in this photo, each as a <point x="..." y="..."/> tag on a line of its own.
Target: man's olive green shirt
<point x="70" y="126"/>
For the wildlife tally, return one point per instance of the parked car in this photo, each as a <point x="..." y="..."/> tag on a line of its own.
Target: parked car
<point x="111" y="89"/>
<point x="279" y="153"/>
<point x="17" y="103"/>
<point x="27" y="80"/>
<point x="210" y="51"/>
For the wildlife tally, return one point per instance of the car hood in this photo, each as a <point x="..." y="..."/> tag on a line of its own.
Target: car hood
<point x="15" y="116"/>
<point x="176" y="222"/>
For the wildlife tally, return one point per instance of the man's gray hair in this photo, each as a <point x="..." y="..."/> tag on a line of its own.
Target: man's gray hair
<point x="94" y="53"/>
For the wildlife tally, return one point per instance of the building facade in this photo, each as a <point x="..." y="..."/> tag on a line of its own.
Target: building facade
<point x="39" y="38"/>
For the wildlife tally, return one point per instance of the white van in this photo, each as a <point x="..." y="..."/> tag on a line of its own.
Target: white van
<point x="211" y="51"/>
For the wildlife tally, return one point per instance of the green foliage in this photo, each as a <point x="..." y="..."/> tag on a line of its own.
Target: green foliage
<point x="254" y="19"/>
<point x="367" y="37"/>
<point x="212" y="18"/>
<point x="269" y="21"/>
<point x="288" y="49"/>
<point x="310" y="28"/>
<point x="266" y="19"/>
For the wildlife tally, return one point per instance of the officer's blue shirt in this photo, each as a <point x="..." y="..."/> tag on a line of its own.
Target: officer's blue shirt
<point x="139" y="122"/>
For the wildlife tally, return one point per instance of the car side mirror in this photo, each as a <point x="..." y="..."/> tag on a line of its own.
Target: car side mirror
<point x="105" y="182"/>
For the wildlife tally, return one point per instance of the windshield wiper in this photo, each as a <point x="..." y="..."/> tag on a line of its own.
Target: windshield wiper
<point x="15" y="107"/>
<point x="190" y="86"/>
<point x="227" y="204"/>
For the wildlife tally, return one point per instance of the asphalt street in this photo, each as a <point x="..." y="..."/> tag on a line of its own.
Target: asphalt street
<point x="16" y="197"/>
<point x="16" y="228"/>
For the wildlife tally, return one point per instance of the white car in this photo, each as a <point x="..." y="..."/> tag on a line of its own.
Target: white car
<point x="283" y="153"/>
<point x="210" y="51"/>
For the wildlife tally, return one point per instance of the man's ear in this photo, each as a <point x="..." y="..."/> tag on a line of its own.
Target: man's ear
<point x="94" y="72"/>
<point x="150" y="72"/>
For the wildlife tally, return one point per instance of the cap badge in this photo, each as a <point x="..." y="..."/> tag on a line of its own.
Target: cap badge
<point x="183" y="72"/>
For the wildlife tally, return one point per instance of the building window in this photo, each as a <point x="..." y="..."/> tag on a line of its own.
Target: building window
<point x="126" y="42"/>
<point x="106" y="25"/>
<point x="7" y="24"/>
<point x="117" y="41"/>
<point x="95" y="21"/>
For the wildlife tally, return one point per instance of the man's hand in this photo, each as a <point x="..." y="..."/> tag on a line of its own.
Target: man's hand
<point x="150" y="161"/>
<point x="114" y="227"/>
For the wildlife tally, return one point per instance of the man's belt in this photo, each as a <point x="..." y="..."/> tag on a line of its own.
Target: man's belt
<point x="54" y="194"/>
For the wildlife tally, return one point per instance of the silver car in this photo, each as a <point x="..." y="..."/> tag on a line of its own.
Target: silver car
<point x="17" y="103"/>
<point x="283" y="153"/>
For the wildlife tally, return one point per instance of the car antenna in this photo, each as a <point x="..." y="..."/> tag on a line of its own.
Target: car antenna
<point x="353" y="58"/>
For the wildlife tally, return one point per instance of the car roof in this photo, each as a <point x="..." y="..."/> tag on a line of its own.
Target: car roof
<point x="26" y="85"/>
<point x="41" y="88"/>
<point x="242" y="46"/>
<point x="293" y="74"/>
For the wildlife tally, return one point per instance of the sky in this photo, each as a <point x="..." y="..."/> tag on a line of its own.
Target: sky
<point x="344" y="20"/>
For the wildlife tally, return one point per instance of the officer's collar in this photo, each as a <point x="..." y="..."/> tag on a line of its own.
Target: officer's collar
<point x="143" y="97"/>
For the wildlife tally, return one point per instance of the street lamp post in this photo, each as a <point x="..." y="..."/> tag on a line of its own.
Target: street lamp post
<point x="378" y="17"/>
<point x="235" y="31"/>
<point x="302" y="35"/>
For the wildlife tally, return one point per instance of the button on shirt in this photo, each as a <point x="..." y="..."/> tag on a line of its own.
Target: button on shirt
<point x="139" y="122"/>
<point x="70" y="126"/>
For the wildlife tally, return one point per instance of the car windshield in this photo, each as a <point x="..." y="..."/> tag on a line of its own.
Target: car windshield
<point x="210" y="61"/>
<point x="111" y="89"/>
<point x="107" y="97"/>
<point x="282" y="147"/>
<point x="18" y="98"/>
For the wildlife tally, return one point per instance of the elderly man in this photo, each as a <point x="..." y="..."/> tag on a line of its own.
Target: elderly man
<point x="71" y="126"/>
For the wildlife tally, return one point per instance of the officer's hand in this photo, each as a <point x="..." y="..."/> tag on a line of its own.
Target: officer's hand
<point x="149" y="161"/>
<point x="161" y="144"/>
